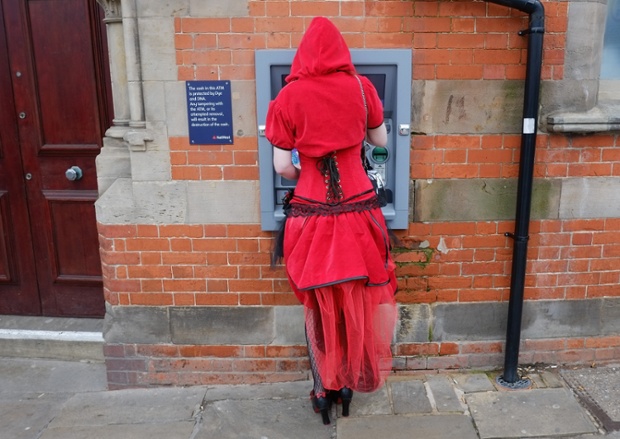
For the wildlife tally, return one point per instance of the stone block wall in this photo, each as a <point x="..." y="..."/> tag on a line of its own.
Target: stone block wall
<point x="191" y="297"/>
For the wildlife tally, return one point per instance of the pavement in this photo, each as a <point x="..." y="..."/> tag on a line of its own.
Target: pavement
<point x="53" y="399"/>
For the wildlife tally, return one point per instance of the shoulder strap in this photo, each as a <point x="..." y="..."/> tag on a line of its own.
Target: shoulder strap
<point x="363" y="96"/>
<point x="364" y="158"/>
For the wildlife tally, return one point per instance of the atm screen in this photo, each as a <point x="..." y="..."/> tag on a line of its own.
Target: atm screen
<point x="378" y="80"/>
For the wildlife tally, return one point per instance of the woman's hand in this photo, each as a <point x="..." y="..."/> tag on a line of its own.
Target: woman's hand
<point x="283" y="164"/>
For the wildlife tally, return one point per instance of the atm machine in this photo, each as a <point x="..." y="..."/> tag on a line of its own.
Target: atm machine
<point x="390" y="72"/>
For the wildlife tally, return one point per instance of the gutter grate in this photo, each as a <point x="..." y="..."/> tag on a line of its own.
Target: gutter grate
<point x="598" y="390"/>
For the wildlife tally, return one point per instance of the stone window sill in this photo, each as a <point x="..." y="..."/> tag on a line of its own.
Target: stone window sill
<point x="604" y="117"/>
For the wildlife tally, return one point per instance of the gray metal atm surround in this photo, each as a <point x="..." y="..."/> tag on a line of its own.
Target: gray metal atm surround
<point x="393" y="66"/>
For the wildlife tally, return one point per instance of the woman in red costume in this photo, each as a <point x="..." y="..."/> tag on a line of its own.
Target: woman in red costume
<point x="336" y="245"/>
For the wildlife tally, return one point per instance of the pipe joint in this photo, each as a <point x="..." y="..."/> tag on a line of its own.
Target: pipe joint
<point x="532" y="30"/>
<point x="517" y="238"/>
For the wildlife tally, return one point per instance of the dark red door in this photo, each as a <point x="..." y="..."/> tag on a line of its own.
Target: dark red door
<point x="55" y="109"/>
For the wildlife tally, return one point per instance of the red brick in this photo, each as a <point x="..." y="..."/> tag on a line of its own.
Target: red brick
<point x="248" y="299"/>
<point x="587" y="252"/>
<point x="426" y="24"/>
<point x="213" y="245"/>
<point x="544" y="345"/>
<point x="448" y="362"/>
<point x="286" y="351"/>
<point x="254" y="351"/>
<point x="264" y="365"/>
<point x="454" y="155"/>
<point x="291" y="365"/>
<point x="418" y="349"/>
<point x="603" y="291"/>
<point x="125" y="258"/>
<point x="110" y="350"/>
<point x="470" y="41"/>
<point x="184" y="299"/>
<point x="215" y="299"/>
<point x="314" y="8"/>
<point x="602" y="342"/>
<point x="124" y="286"/>
<point x="351" y="9"/>
<point x="151" y="299"/>
<point x="217" y="285"/>
<point x="480" y="295"/>
<point x="481" y="347"/>
<point x="459" y="72"/>
<point x="114" y="231"/>
<point x="448" y="348"/>
<point x="157" y="350"/>
<point x="204" y="25"/>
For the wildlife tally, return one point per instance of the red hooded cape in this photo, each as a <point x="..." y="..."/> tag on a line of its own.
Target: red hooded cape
<point x="339" y="265"/>
<point x="321" y="108"/>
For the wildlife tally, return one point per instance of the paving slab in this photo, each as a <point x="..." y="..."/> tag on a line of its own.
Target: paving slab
<point x="133" y="406"/>
<point x="599" y="391"/>
<point x="407" y="427"/>
<point x="409" y="397"/>
<point x="528" y="413"/>
<point x="273" y="419"/>
<point x="175" y="430"/>
<point x="375" y="403"/>
<point x="444" y="395"/>
<point x="26" y="417"/>
<point x="536" y="381"/>
<point x="473" y="382"/>
<point x="47" y="376"/>
<point x="551" y="379"/>
<point x="289" y="390"/>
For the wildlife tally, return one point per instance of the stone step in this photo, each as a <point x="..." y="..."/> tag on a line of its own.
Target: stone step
<point x="58" y="338"/>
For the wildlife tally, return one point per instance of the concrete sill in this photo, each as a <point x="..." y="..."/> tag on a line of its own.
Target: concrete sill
<point x="604" y="117"/>
<point x="55" y="338"/>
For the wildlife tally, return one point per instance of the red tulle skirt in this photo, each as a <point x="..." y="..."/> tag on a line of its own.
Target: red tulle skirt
<point x="349" y="328"/>
<point x="340" y="268"/>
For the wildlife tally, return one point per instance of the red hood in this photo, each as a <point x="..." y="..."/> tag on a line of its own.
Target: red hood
<point x="322" y="50"/>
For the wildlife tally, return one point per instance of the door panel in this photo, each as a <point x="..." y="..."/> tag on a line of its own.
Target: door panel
<point x="67" y="56"/>
<point x="7" y="262"/>
<point x="18" y="285"/>
<point x="61" y="94"/>
<point x="73" y="221"/>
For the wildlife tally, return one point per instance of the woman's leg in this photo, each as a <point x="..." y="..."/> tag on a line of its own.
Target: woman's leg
<point x="319" y="390"/>
<point x="320" y="401"/>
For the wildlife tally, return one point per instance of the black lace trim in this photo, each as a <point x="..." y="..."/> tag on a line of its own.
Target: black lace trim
<point x="316" y="209"/>
<point x="295" y="209"/>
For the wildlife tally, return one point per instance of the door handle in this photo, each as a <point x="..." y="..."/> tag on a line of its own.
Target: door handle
<point x="73" y="173"/>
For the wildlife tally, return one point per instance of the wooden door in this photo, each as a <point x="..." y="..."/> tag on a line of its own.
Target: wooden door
<point x="54" y="112"/>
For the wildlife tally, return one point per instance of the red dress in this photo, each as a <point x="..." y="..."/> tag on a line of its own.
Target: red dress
<point x="336" y="245"/>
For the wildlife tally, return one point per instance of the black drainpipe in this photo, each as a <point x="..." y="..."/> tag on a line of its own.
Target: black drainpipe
<point x="535" y="33"/>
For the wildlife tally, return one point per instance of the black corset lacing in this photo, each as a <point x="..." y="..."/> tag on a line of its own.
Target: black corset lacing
<point x="328" y="167"/>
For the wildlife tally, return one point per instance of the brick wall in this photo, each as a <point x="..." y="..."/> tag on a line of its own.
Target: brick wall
<point x="439" y="262"/>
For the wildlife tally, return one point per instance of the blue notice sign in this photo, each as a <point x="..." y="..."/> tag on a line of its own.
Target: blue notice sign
<point x="209" y="112"/>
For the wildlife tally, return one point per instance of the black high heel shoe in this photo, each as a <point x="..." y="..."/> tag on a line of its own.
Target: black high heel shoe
<point x="321" y="405"/>
<point x="346" y="395"/>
